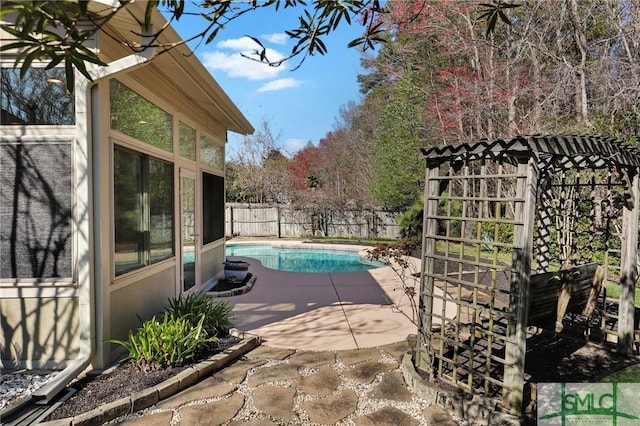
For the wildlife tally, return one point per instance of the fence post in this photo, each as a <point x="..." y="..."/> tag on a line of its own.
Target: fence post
<point x="278" y="231"/>
<point x="231" y="220"/>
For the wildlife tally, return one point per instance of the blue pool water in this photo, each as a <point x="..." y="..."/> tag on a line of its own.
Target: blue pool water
<point x="303" y="259"/>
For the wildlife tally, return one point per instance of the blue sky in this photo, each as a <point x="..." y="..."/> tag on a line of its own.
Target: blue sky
<point x="299" y="105"/>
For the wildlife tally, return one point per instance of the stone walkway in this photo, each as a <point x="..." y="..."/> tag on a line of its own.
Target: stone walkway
<point x="274" y="386"/>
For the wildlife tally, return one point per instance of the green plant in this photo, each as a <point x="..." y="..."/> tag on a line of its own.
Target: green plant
<point x="169" y="342"/>
<point x="497" y="232"/>
<point x="613" y="291"/>
<point x="411" y="222"/>
<point x="217" y="316"/>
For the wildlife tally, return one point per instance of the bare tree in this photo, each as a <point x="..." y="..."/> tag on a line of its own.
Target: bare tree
<point x="260" y="167"/>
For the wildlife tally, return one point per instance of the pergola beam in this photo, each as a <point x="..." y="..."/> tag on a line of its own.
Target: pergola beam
<point x="516" y="347"/>
<point x="628" y="271"/>
<point x="604" y="148"/>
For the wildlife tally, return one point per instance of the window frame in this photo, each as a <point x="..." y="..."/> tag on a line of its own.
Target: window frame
<point x="206" y="223"/>
<point x="144" y="250"/>
<point x="206" y="166"/>
<point x="34" y="133"/>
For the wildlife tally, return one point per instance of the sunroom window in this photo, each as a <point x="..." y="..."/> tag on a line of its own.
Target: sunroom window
<point x="139" y="118"/>
<point x="143" y="210"/>
<point x="39" y="98"/>
<point x="212" y="207"/>
<point x="211" y="152"/>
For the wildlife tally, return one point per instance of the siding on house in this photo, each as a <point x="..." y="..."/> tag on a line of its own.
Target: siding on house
<point x="42" y="169"/>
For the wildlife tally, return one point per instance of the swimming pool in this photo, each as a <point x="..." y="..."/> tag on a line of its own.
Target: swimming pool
<point x="303" y="259"/>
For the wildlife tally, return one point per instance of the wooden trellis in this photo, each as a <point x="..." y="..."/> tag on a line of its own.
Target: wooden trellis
<point x="496" y="211"/>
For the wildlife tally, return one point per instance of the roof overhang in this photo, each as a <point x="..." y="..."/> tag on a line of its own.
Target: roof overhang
<point x="179" y="64"/>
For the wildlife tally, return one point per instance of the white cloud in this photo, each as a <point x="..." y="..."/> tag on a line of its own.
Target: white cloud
<point x="280" y="84"/>
<point x="242" y="44"/>
<point x="294" y="145"/>
<point x="276" y="38"/>
<point x="235" y="65"/>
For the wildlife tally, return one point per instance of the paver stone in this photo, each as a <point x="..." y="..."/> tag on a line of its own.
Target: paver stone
<point x="209" y="388"/>
<point x="392" y="387"/>
<point x="269" y="352"/>
<point x="366" y="372"/>
<point x="331" y="409"/>
<point x="275" y="401"/>
<point x="396" y="350"/>
<point x="276" y="373"/>
<point x="155" y="419"/>
<point x="355" y="356"/>
<point x="213" y="413"/>
<point x="438" y="416"/>
<point x="236" y="372"/>
<point x="253" y="422"/>
<point x="312" y="359"/>
<point x="388" y="416"/>
<point x="323" y="382"/>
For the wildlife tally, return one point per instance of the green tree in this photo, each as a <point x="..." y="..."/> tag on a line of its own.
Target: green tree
<point x="397" y="165"/>
<point x="77" y="22"/>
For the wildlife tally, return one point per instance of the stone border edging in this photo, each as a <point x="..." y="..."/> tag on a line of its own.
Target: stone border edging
<point x="476" y="411"/>
<point x="236" y="291"/>
<point x="151" y="396"/>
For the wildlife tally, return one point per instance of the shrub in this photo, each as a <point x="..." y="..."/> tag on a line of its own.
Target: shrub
<point x="217" y="316"/>
<point x="171" y="342"/>
<point x="411" y="222"/>
<point x="497" y="232"/>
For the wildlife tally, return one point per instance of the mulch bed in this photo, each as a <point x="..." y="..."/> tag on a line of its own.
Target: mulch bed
<point x="125" y="379"/>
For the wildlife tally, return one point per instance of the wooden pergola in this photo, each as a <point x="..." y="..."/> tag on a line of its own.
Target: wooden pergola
<point x="505" y="220"/>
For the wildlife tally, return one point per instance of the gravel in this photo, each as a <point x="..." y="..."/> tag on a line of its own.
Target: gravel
<point x="19" y="384"/>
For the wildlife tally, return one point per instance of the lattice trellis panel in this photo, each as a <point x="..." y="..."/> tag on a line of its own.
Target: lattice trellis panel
<point x="578" y="218"/>
<point x="469" y="269"/>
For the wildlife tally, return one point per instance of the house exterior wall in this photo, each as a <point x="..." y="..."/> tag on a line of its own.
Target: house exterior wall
<point x="38" y="292"/>
<point x="43" y="313"/>
<point x="145" y="297"/>
<point x="39" y="332"/>
<point x="144" y="292"/>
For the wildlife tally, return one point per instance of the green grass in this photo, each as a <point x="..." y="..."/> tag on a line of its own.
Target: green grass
<point x="363" y="241"/>
<point x="613" y="290"/>
<point x="626" y="375"/>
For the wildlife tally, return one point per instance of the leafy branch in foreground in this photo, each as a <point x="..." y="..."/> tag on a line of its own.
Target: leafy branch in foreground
<point x="57" y="31"/>
<point x="53" y="31"/>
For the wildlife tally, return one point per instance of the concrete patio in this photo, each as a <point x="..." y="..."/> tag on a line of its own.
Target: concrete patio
<point x="325" y="311"/>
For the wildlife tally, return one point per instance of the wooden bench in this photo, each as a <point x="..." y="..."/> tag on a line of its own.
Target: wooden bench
<point x="546" y="290"/>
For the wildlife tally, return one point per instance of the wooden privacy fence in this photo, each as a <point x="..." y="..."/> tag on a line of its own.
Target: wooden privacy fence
<point x="261" y="220"/>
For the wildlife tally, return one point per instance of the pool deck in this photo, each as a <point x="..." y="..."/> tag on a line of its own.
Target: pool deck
<point x="325" y="311"/>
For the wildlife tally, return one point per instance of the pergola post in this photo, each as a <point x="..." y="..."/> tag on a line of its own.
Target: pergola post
<point x="430" y="224"/>
<point x="628" y="270"/>
<point x="516" y="345"/>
